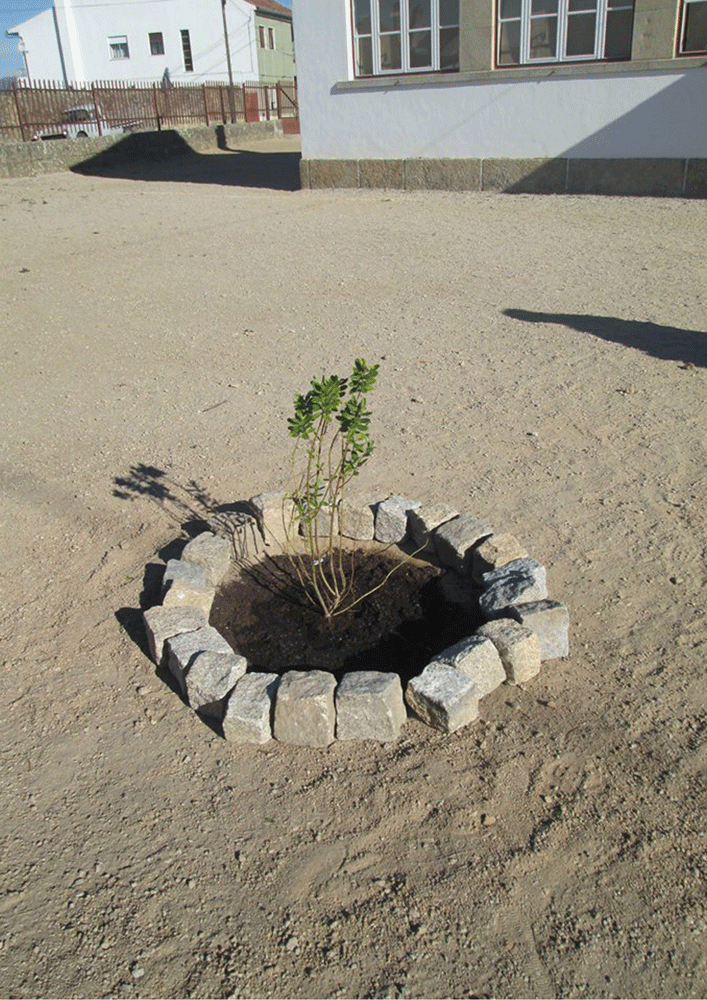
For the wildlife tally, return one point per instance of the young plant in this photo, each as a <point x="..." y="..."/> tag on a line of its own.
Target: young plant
<point x="331" y="426"/>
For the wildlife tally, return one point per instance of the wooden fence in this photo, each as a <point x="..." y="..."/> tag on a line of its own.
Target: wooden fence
<point x="37" y="109"/>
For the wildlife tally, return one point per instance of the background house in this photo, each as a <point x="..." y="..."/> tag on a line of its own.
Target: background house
<point x="83" y="40"/>
<point x="513" y="95"/>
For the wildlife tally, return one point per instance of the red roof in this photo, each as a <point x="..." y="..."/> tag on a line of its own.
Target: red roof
<point x="270" y="5"/>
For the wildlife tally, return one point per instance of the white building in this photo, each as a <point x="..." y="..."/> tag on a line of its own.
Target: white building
<point x="78" y="41"/>
<point x="551" y="95"/>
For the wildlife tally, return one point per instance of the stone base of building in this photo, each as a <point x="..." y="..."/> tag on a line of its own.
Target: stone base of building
<point x="666" y="178"/>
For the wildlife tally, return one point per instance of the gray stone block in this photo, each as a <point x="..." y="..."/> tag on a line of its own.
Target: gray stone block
<point x="478" y="658"/>
<point x="649" y="176"/>
<point x="455" y="540"/>
<point x="443" y="175"/>
<point x="369" y="706"/>
<point x="163" y="623"/>
<point x="182" y="595"/>
<point x="518" y="647"/>
<point x="213" y="553"/>
<point x="182" y="650"/>
<point x="380" y="173"/>
<point x="392" y="518"/>
<point x="210" y="678"/>
<point x="276" y="517"/>
<point x="357" y="518"/>
<point x="443" y="697"/>
<point x="304" y="710"/>
<point x="184" y="574"/>
<point x="425" y="519"/>
<point x="532" y="176"/>
<point x="550" y="621"/>
<point x="517" y="582"/>
<point x="333" y="173"/>
<point x="249" y="711"/>
<point x="696" y="179"/>
<point x="496" y="551"/>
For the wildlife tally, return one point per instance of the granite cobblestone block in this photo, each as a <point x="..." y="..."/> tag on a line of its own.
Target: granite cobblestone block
<point x="455" y="540"/>
<point x="518" y="647"/>
<point x="369" y="706"/>
<point x="249" y="712"/>
<point x="182" y="650"/>
<point x="550" y="621"/>
<point x="478" y="658"/>
<point x="305" y="714"/>
<point x="443" y="697"/>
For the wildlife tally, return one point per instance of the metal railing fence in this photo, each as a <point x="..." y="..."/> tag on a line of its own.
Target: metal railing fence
<point x="42" y="108"/>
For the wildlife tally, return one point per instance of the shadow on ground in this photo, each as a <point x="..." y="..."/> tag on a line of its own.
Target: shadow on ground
<point x="140" y="157"/>
<point x="668" y="343"/>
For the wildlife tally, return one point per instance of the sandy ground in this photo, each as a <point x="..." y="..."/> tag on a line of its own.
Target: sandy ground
<point x="543" y="364"/>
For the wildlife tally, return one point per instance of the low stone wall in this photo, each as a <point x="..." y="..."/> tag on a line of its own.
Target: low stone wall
<point x="671" y="178"/>
<point x="309" y="707"/>
<point x="29" y="159"/>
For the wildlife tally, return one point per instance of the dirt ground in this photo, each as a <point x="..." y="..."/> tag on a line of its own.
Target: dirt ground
<point x="544" y="366"/>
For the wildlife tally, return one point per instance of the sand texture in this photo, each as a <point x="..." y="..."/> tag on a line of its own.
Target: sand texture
<point x="544" y="368"/>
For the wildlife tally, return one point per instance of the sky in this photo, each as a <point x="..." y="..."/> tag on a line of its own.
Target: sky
<point x="13" y="12"/>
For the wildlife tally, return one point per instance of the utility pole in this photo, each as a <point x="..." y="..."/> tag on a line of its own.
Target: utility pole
<point x="231" y="98"/>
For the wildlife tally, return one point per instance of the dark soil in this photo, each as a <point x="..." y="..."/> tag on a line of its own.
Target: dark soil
<point x="398" y="628"/>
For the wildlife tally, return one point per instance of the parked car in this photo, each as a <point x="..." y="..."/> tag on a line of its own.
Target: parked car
<point x="81" y="122"/>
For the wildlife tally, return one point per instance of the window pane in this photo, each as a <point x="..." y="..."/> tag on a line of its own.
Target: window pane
<point x="581" y="34"/>
<point x="544" y="7"/>
<point x="510" y="8"/>
<point x="362" y="16"/>
<point x="449" y="12"/>
<point x="619" y="28"/>
<point x="420" y="49"/>
<point x="419" y="11"/>
<point x="390" y="52"/>
<point x="509" y="45"/>
<point x="582" y="5"/>
<point x="543" y="38"/>
<point x="695" y="39"/>
<point x="156" y="43"/>
<point x="389" y="15"/>
<point x="364" y="63"/>
<point x="449" y="49"/>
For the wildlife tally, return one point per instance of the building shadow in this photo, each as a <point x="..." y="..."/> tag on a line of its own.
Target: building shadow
<point x="668" y="343"/>
<point x="167" y="157"/>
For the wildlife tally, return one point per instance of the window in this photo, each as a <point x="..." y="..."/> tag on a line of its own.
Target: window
<point x="261" y="36"/>
<point x="156" y="43"/>
<point x="271" y="38"/>
<point x="405" y="36"/>
<point x="535" y="31"/>
<point x="186" y="51"/>
<point x="693" y="27"/>
<point x="118" y="46"/>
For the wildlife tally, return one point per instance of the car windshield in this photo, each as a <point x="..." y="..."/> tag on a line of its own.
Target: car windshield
<point x="77" y="115"/>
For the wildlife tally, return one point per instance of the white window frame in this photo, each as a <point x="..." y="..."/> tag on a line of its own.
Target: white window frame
<point x="118" y="47"/>
<point x="271" y="38"/>
<point x="563" y="15"/>
<point x="378" y="69"/>
<point x="682" y="51"/>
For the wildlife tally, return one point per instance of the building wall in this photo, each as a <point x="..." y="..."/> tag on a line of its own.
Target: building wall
<point x="43" y="57"/>
<point x="655" y="108"/>
<point x="278" y="63"/>
<point x="85" y="27"/>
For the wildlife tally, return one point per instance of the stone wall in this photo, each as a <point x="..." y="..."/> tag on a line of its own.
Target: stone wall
<point x="29" y="159"/>
<point x="669" y="178"/>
